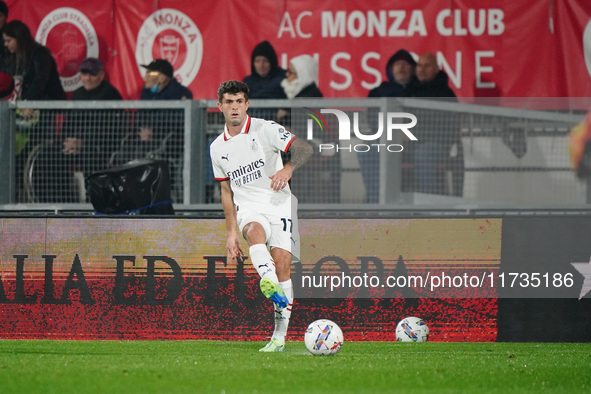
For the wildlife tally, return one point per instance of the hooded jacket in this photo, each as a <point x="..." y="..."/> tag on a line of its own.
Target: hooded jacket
<point x="391" y="88"/>
<point x="270" y="85"/>
<point x="307" y="71"/>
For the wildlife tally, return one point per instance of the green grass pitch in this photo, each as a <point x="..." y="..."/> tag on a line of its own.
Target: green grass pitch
<point x="238" y="367"/>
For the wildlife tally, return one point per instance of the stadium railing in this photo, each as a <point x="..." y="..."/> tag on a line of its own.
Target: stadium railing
<point x="509" y="155"/>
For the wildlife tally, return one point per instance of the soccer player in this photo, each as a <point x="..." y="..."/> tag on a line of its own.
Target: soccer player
<point x="257" y="199"/>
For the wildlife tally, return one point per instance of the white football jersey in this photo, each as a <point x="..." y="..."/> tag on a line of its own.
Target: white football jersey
<point x="249" y="159"/>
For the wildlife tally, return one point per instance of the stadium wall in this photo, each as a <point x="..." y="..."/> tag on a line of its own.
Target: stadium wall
<point x="167" y="278"/>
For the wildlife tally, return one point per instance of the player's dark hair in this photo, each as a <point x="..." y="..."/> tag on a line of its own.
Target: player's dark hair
<point x="232" y="87"/>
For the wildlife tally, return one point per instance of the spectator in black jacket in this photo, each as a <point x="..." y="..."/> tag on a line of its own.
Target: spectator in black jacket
<point x="159" y="83"/>
<point x="264" y="81"/>
<point x="400" y="71"/>
<point x="94" y="85"/>
<point x="160" y="131"/>
<point x="37" y="78"/>
<point x="156" y="125"/>
<point x="93" y="134"/>
<point x="265" y="78"/>
<point x="33" y="63"/>
<point x="431" y="80"/>
<point x="90" y="135"/>
<point x="437" y="131"/>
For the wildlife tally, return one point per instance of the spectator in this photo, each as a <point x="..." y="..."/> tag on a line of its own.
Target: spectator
<point x="301" y="78"/>
<point x="437" y="131"/>
<point x="89" y="135"/>
<point x="300" y="81"/>
<point x="266" y="75"/>
<point x="160" y="83"/>
<point x="37" y="78"/>
<point x="321" y="175"/>
<point x="33" y="63"/>
<point x="93" y="134"/>
<point x="400" y="71"/>
<point x="94" y="85"/>
<point x="4" y="54"/>
<point x="161" y="132"/>
<point x="431" y="81"/>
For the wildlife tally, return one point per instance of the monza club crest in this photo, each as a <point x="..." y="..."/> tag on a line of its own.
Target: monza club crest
<point x="170" y="34"/>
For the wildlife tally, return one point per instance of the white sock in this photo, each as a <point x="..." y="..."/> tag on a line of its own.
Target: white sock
<point x="282" y="315"/>
<point x="262" y="262"/>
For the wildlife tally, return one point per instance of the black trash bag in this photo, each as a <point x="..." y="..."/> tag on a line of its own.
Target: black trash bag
<point x="138" y="187"/>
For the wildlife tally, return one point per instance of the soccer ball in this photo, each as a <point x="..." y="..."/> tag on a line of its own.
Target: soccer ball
<point x="412" y="329"/>
<point x="323" y="338"/>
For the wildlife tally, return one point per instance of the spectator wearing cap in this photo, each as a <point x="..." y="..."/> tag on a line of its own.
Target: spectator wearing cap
<point x="94" y="86"/>
<point x="159" y="83"/>
<point x="90" y="135"/>
<point x="4" y="54"/>
<point x="161" y="132"/>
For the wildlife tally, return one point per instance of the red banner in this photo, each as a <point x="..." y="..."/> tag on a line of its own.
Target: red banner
<point x="533" y="48"/>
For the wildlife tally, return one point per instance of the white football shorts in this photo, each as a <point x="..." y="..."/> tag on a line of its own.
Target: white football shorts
<point x="281" y="232"/>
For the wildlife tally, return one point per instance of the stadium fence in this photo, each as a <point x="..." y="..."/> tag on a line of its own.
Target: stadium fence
<point x="504" y="155"/>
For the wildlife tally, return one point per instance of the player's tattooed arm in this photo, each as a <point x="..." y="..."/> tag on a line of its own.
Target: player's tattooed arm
<point x="300" y="153"/>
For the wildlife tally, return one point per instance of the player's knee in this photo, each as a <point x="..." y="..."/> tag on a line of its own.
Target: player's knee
<point x="254" y="233"/>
